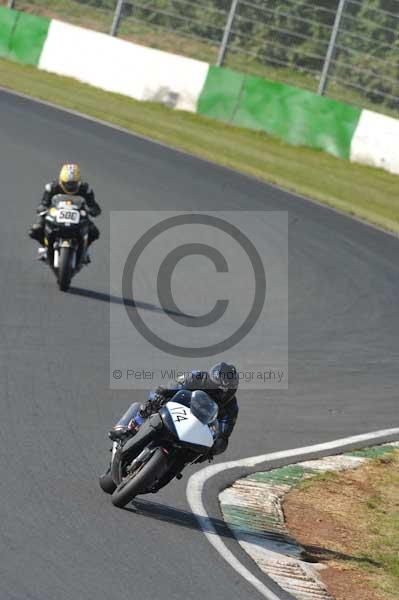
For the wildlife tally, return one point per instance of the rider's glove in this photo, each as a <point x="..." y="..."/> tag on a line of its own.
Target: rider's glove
<point x="151" y="406"/>
<point x="94" y="211"/>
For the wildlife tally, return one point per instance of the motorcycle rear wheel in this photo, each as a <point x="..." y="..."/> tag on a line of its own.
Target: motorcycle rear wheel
<point x="137" y="484"/>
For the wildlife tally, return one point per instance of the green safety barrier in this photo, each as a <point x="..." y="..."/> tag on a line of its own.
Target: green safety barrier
<point x="22" y="36"/>
<point x="297" y="116"/>
<point x="220" y="94"/>
<point x="8" y="20"/>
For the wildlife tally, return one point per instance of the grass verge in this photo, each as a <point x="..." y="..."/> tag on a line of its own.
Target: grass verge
<point x="350" y="522"/>
<point x="370" y="194"/>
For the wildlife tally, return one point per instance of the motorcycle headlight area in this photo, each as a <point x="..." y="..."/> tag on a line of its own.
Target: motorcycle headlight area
<point x="203" y="407"/>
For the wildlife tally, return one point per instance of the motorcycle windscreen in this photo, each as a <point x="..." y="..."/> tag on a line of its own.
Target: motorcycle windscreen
<point x="188" y="428"/>
<point x="61" y="199"/>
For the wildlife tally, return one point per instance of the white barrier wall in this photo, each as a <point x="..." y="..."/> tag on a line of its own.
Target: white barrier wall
<point x="376" y="141"/>
<point x="122" y="67"/>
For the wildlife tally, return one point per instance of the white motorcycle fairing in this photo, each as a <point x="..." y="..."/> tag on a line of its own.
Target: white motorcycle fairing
<point x="188" y="428"/>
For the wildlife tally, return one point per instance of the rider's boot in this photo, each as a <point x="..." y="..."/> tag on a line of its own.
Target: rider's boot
<point x="36" y="232"/>
<point x="120" y="433"/>
<point x="42" y="253"/>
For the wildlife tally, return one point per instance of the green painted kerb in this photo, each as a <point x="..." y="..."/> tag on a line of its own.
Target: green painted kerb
<point x="290" y="475"/>
<point x="376" y="452"/>
<point x="22" y="36"/>
<point x="297" y="116"/>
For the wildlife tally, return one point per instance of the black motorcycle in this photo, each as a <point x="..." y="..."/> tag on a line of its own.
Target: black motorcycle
<point x="181" y="432"/>
<point x="66" y="232"/>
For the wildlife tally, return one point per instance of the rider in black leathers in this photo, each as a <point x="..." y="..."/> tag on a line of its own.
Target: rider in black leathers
<point x="69" y="182"/>
<point x="220" y="383"/>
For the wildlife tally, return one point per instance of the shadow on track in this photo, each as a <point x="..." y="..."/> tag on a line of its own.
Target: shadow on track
<point x="100" y="296"/>
<point x="176" y="516"/>
<point x="265" y="538"/>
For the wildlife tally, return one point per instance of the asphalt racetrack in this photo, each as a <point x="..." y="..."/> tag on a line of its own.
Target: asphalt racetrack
<point x="60" y="537"/>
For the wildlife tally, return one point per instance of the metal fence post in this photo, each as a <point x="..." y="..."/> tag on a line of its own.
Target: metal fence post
<point x="226" y="33"/>
<point x="117" y="18"/>
<point x="11" y="3"/>
<point x="331" y="48"/>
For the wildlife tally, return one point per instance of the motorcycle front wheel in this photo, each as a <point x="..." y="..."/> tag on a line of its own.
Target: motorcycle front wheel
<point x="65" y="268"/>
<point x="141" y="480"/>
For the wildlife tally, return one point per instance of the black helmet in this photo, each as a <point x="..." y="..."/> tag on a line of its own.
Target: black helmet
<point x="225" y="379"/>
